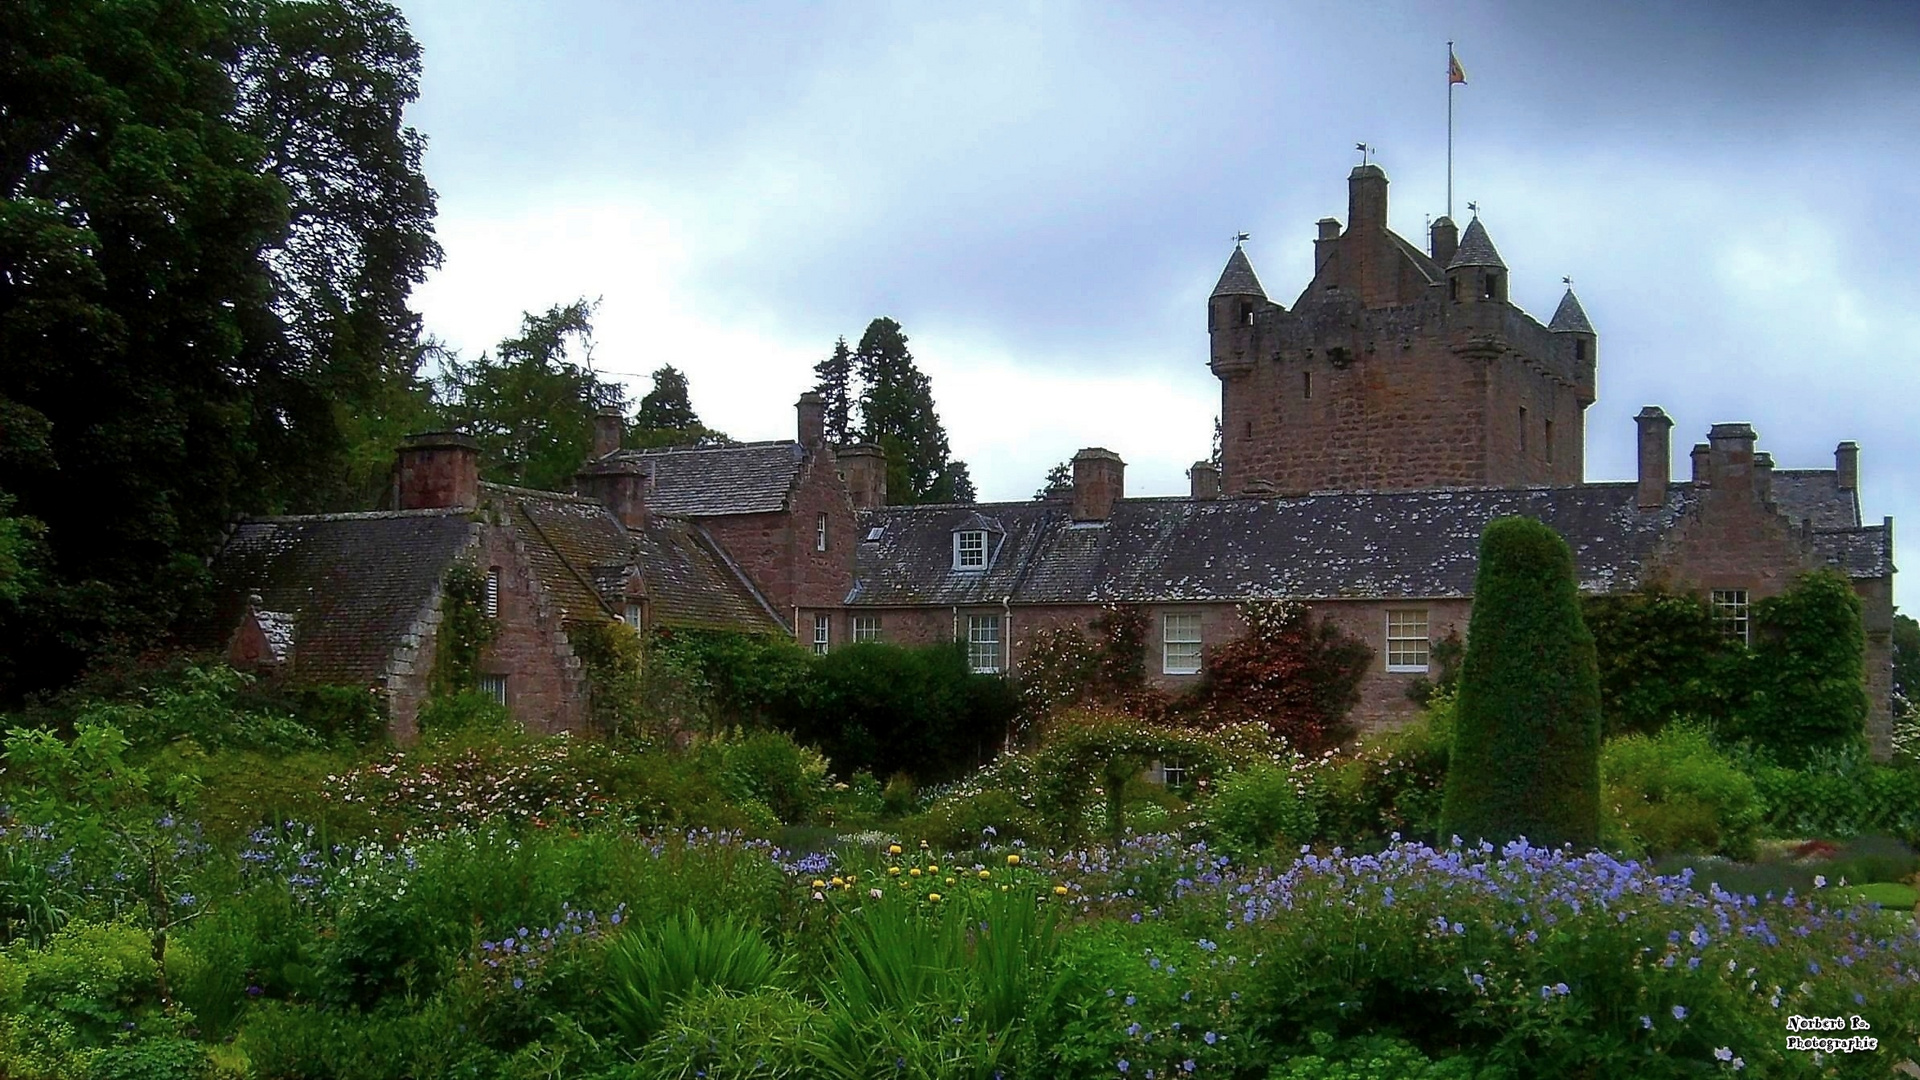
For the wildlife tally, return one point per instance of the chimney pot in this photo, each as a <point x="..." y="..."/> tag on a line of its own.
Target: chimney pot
<point x="1329" y="228"/>
<point x="1846" y="465"/>
<point x="609" y="428"/>
<point x="1443" y="240"/>
<point x="1204" y="480"/>
<point x="437" y="470"/>
<point x="1099" y="481"/>
<point x="1656" y="455"/>
<point x="812" y="410"/>
<point x="621" y="486"/>
<point x="1702" y="470"/>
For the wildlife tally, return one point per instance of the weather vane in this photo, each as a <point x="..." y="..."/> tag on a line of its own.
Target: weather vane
<point x="1567" y="281"/>
<point x="1365" y="150"/>
<point x="1240" y="238"/>
<point x="1475" y="207"/>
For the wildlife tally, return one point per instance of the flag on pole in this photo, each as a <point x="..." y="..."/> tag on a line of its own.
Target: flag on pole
<point x="1454" y="73"/>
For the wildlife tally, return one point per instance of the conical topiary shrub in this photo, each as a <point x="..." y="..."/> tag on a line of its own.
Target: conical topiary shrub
<point x="1526" y="740"/>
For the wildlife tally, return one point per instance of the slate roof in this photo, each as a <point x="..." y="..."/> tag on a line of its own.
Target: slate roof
<point x="752" y="478"/>
<point x="1421" y="260"/>
<point x="584" y="557"/>
<point x="352" y="584"/>
<point x="1570" y="317"/>
<point x="1238" y="278"/>
<point x="1476" y="248"/>
<point x="1413" y="544"/>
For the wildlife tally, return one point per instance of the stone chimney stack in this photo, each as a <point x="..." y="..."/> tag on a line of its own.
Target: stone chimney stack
<point x="437" y="470"/>
<point x="813" y="419"/>
<point x="863" y="468"/>
<point x="1099" y="481"/>
<point x="609" y="428"/>
<point x="1324" y="241"/>
<point x="621" y="486"/>
<point x="1846" y="465"/>
<point x="1656" y="456"/>
<point x="1366" y="198"/>
<point x="1204" y="480"/>
<point x="1443" y="239"/>
<point x="1763" y="476"/>
<point x="1730" y="455"/>
<point x="1702" y="475"/>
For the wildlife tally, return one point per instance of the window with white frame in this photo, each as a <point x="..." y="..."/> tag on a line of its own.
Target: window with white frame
<point x="866" y="628"/>
<point x="1407" y="640"/>
<point x="1173" y="772"/>
<point x="633" y="616"/>
<point x="970" y="549"/>
<point x="1180" y="644"/>
<point x="822" y="631"/>
<point x="983" y="642"/>
<point x="1732" y="615"/>
<point x="492" y="601"/>
<point x="494" y="687"/>
<point x="820" y="533"/>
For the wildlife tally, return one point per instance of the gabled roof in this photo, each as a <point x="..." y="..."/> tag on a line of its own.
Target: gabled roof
<point x="1325" y="546"/>
<point x="752" y="478"/>
<point x="1238" y="278"/>
<point x="583" y="556"/>
<point x="1569" y="317"/>
<point x="1476" y="248"/>
<point x="352" y="585"/>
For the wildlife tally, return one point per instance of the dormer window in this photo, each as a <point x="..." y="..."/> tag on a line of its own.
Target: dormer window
<point x="970" y="549"/>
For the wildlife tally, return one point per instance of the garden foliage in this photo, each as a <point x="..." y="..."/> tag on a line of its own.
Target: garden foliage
<point x="1297" y="674"/>
<point x="1809" y="689"/>
<point x="1526" y="733"/>
<point x="1673" y="793"/>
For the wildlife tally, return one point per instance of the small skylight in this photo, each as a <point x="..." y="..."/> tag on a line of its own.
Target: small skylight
<point x="874" y="533"/>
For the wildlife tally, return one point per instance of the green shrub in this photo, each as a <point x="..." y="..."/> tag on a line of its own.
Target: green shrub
<point x="768" y="767"/>
<point x="651" y="970"/>
<point x="1873" y="859"/>
<point x="464" y="712"/>
<point x="1841" y="794"/>
<point x="165" y="1058"/>
<point x="764" y="1034"/>
<point x="1392" y="782"/>
<point x="888" y="708"/>
<point x="1262" y="807"/>
<point x="1660" y="657"/>
<point x="1673" y="793"/>
<point x="1377" y="1058"/>
<point x="963" y="820"/>
<point x="1526" y="750"/>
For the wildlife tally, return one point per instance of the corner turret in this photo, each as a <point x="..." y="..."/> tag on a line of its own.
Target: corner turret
<point x="1475" y="272"/>
<point x="1570" y="326"/>
<point x="1232" y="314"/>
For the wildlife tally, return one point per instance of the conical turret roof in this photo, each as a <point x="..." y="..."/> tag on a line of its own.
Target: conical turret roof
<point x="1238" y="279"/>
<point x="1475" y="248"/>
<point x="1569" y="318"/>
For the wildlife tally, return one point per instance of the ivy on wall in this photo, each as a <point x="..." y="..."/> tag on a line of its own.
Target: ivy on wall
<point x="464" y="631"/>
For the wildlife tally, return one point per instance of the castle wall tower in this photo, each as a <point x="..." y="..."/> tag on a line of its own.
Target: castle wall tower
<point x="1396" y="368"/>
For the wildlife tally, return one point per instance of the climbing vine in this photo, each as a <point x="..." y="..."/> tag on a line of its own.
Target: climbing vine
<point x="464" y="631"/>
<point x="613" y="656"/>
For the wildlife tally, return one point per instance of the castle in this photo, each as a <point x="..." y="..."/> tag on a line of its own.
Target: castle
<point x="1369" y="434"/>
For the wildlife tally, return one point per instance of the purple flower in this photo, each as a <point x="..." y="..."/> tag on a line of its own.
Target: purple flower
<point x="1679" y="1012"/>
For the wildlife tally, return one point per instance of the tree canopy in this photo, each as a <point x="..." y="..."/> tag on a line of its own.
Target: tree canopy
<point x="666" y="416"/>
<point x="531" y="402"/>
<point x="897" y="414"/>
<point x="210" y="217"/>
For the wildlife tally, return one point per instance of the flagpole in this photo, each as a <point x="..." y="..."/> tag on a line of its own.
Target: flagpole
<point x="1449" y="131"/>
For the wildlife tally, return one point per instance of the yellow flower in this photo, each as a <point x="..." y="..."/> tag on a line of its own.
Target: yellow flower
<point x="1059" y="890"/>
<point x="985" y="874"/>
<point x="949" y="881"/>
<point x="934" y="896"/>
<point x="818" y="884"/>
<point x="933" y="868"/>
<point x="893" y="849"/>
<point x="915" y="871"/>
<point x="923" y="845"/>
<point x="1003" y="888"/>
<point x="840" y="882"/>
<point x="893" y="870"/>
<point x="1013" y="860"/>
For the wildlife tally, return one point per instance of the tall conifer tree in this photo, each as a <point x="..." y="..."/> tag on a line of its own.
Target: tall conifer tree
<point x="836" y="390"/>
<point x="897" y="413"/>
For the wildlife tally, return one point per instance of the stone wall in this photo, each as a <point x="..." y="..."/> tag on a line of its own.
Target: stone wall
<point x="546" y="687"/>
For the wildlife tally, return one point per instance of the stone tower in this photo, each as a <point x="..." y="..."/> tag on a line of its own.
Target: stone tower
<point x="1396" y="368"/>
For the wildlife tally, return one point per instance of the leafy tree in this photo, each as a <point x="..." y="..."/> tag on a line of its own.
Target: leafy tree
<point x="135" y="315"/>
<point x="887" y="709"/>
<point x="1526" y="740"/>
<point x="322" y="85"/>
<point x="836" y="390"/>
<point x="1059" y="478"/>
<point x="1298" y="675"/>
<point x="1809" y="686"/>
<point x="666" y="416"/>
<point x="1906" y="663"/>
<point x="897" y="413"/>
<point x="531" y="403"/>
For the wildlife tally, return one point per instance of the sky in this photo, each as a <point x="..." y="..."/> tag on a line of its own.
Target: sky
<point x="1044" y="194"/>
